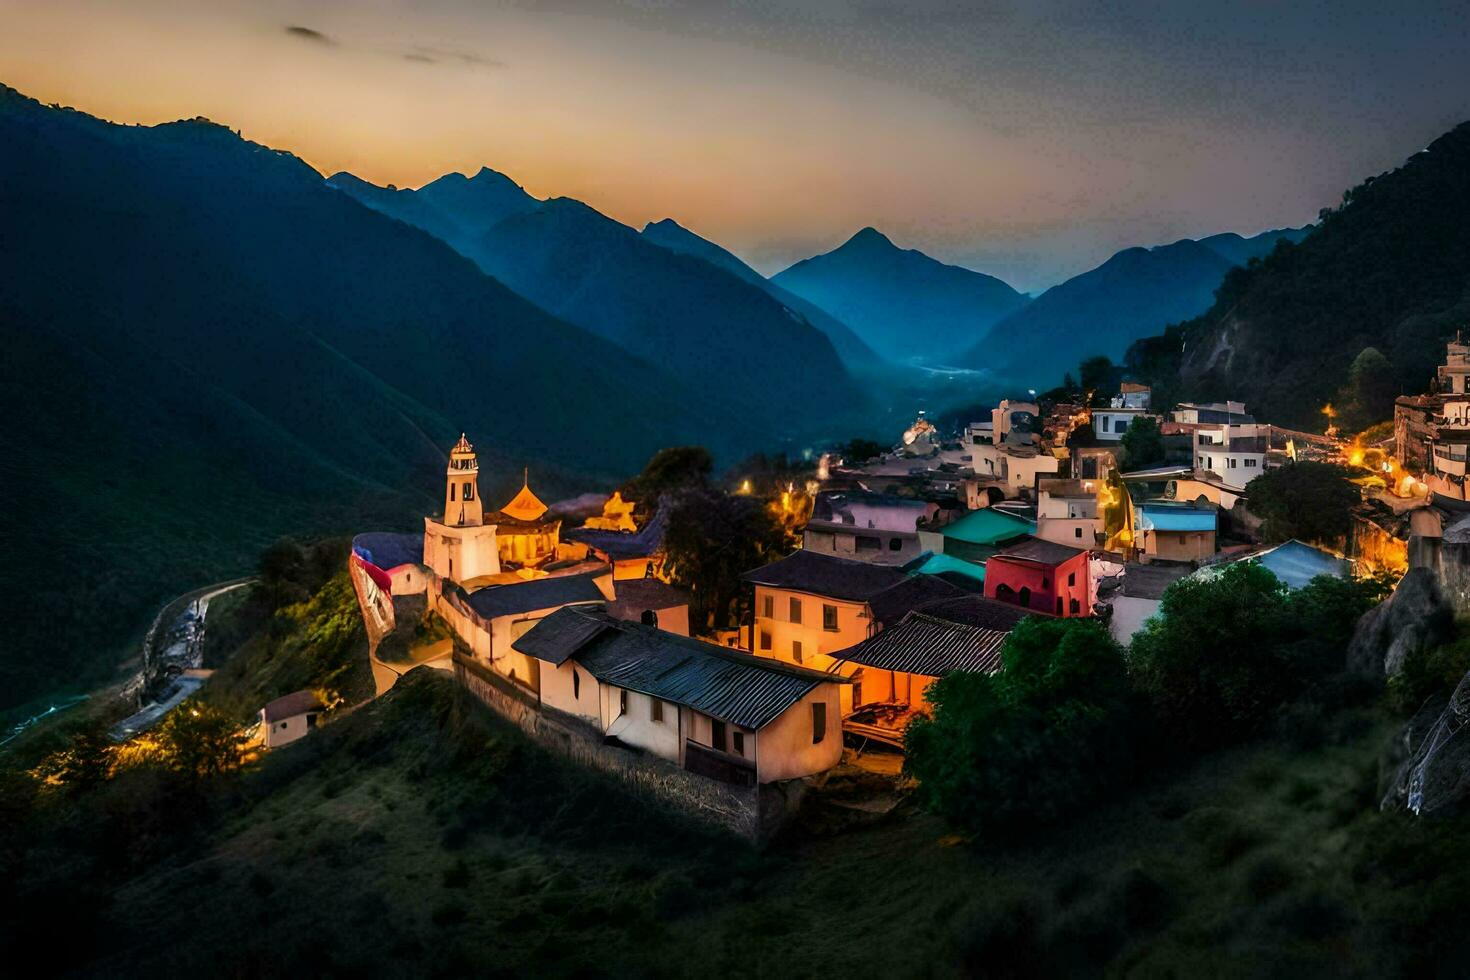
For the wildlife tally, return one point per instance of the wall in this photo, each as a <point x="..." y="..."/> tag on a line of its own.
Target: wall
<point x="786" y="750"/>
<point x="1021" y="471"/>
<point x="557" y="689"/>
<point x="854" y="625"/>
<point x="1237" y="469"/>
<point x="637" y="726"/>
<point x="1067" y="581"/>
<point x="285" y="731"/>
<point x="460" y="553"/>
<point x="1178" y="545"/>
<point x="862" y="543"/>
<point x="1063" y="530"/>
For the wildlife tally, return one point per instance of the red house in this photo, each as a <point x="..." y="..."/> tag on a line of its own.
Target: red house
<point x="1041" y="576"/>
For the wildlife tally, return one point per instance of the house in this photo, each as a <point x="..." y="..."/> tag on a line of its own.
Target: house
<point x="1109" y="424"/>
<point x="981" y="533"/>
<point x="288" y="718"/>
<point x="1175" y="531"/>
<point x="1234" y="452"/>
<point x="1139" y="596"/>
<point x="489" y="620"/>
<point x="648" y="600"/>
<point x="1041" y="576"/>
<point x="1014" y="468"/>
<point x="1067" y="512"/>
<point x="1094" y="461"/>
<point x="1132" y="395"/>
<point x="873" y="527"/>
<point x="1212" y="413"/>
<point x="707" y="709"/>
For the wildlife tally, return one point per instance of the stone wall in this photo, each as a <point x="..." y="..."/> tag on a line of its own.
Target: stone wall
<point x="752" y="812"/>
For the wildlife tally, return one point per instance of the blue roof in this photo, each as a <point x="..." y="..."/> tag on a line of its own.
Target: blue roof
<point x="939" y="564"/>
<point x="1157" y="517"/>
<point x="387" y="550"/>
<point x="1296" y="563"/>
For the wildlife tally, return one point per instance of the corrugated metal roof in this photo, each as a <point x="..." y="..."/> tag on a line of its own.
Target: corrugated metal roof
<point x="726" y="684"/>
<point x="988" y="526"/>
<point x="922" y="644"/>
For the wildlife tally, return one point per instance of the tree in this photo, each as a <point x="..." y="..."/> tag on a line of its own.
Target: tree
<point x="859" y="450"/>
<point x="1142" y="443"/>
<point x="200" y="740"/>
<point x="1371" y="388"/>
<point x="668" y="471"/>
<point x="712" y="539"/>
<point x="1050" y="731"/>
<point x="1307" y="500"/>
<point x="1100" y="376"/>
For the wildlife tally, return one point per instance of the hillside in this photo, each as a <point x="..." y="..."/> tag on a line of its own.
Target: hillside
<point x="1134" y="294"/>
<point x="208" y="347"/>
<point x="714" y="329"/>
<point x="501" y="858"/>
<point x="903" y="303"/>
<point x="1389" y="268"/>
<point x="857" y="355"/>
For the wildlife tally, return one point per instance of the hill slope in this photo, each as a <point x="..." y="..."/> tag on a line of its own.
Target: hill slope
<point x="711" y="327"/>
<point x="900" y="301"/>
<point x="850" y="347"/>
<point x="207" y="347"/>
<point x="1389" y="268"/>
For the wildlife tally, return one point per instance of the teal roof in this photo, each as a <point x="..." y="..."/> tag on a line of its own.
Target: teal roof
<point x="988" y="526"/>
<point x="939" y="564"/>
<point x="1296" y="563"/>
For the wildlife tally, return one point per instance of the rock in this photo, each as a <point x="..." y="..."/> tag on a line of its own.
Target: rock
<point x="1435" y="779"/>
<point x="1414" y="620"/>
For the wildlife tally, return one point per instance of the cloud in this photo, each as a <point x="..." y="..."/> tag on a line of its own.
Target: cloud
<point x="416" y="56"/>
<point x="434" y="55"/>
<point x="310" y="34"/>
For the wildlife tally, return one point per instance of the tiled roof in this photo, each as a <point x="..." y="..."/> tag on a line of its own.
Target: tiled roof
<point x="896" y="601"/>
<point x="1046" y="552"/>
<point x="988" y="526"/>
<point x="726" y="684"/>
<point x="541" y="593"/>
<point x="922" y="644"/>
<point x="825" y="575"/>
<point x="646" y="541"/>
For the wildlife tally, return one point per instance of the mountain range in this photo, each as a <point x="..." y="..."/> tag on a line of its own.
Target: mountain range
<point x="1135" y="293"/>
<point x="713" y="328"/>
<point x="207" y="347"/>
<point x="903" y="303"/>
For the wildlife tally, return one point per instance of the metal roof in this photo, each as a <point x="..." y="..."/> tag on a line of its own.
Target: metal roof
<point x="826" y="575"/>
<point x="988" y="526"/>
<point x="896" y="601"/>
<point x="293" y="704"/>
<point x="949" y="564"/>
<point x="726" y="684"/>
<point x="922" y="644"/>
<point x="541" y="593"/>
<point x="1036" y="549"/>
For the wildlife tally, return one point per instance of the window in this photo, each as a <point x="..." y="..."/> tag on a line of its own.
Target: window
<point x="819" y="721"/>
<point x="452" y="489"/>
<point x="717" y="734"/>
<point x="857" y="687"/>
<point x="795" y="609"/>
<point x="576" y="685"/>
<point x="1077" y="532"/>
<point x="768" y="606"/>
<point x="1045" y="582"/>
<point x="1250" y="463"/>
<point x="1076" y="607"/>
<point x="1120" y="425"/>
<point x="829" y="618"/>
<point x="655" y="709"/>
<point x="1025" y="596"/>
<point x="895" y="544"/>
<point x="648" y="618"/>
<point x="1232" y="463"/>
<point x="469" y="491"/>
<point x="796" y="650"/>
<point x="868" y="543"/>
<point x="737" y="742"/>
<point x="765" y="639"/>
<point x="1071" y="578"/>
<point x="622" y="702"/>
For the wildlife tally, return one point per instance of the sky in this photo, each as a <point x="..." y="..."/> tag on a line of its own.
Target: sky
<point x="1029" y="140"/>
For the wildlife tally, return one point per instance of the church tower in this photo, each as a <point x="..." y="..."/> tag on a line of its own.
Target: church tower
<point x="462" y="507"/>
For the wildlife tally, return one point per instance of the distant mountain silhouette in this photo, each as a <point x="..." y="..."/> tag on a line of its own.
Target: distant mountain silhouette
<point x="900" y="301"/>
<point x="209" y="347"/>
<point x="674" y="236"/>
<point x="712" y="327"/>
<point x="1135" y="293"/>
<point x="1389" y="269"/>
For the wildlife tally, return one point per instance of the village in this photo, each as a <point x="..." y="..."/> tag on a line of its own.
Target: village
<point x="911" y="565"/>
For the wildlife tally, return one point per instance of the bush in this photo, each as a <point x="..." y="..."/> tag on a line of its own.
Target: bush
<point x="1428" y="674"/>
<point x="1309" y="501"/>
<point x="1029" y="744"/>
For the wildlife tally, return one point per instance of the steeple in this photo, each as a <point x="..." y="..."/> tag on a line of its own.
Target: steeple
<point x="525" y="506"/>
<point x="462" y="507"/>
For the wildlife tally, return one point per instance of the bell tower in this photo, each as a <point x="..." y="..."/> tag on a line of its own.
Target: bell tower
<point x="462" y="507"/>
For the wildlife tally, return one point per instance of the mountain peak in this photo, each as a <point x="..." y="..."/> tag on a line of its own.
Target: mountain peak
<point x="870" y="236"/>
<point x="664" y="224"/>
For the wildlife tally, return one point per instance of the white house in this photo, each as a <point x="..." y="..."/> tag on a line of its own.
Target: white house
<point x="288" y="718"/>
<point x="706" y="708"/>
<point x="1236" y="453"/>
<point x="872" y="527"/>
<point x="1066" y="512"/>
<point x="1109" y="424"/>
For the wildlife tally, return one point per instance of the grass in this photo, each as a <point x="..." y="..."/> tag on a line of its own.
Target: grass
<point x="420" y="834"/>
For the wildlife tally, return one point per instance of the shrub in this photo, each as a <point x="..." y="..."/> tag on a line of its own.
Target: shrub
<point x="1029" y="744"/>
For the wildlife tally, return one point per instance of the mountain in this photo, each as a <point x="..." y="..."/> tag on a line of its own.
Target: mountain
<point x="1238" y="250"/>
<point x="900" y="301"/>
<point x="1389" y="268"/>
<point x="1137" y="292"/>
<point x="711" y="327"/>
<point x="671" y="235"/>
<point x="208" y="347"/>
